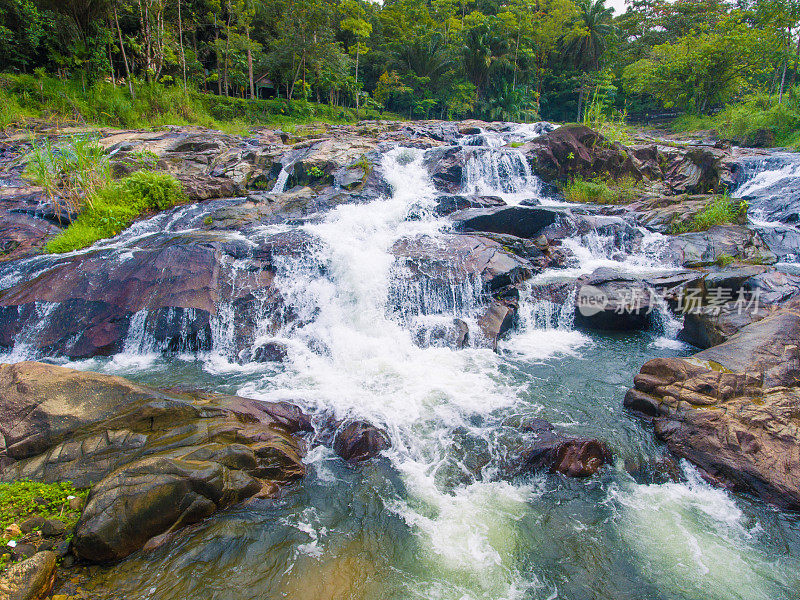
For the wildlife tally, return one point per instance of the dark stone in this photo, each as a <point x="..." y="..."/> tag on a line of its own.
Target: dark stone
<point x="357" y="441"/>
<point x="612" y="300"/>
<point x="31" y="524"/>
<point x="53" y="528"/>
<point x="519" y="221"/>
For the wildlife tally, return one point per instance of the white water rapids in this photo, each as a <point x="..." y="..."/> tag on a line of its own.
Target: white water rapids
<point x="469" y="536"/>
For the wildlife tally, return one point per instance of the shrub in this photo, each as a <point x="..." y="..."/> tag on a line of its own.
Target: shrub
<point x="115" y="207"/>
<point x="70" y="173"/>
<point x="721" y="210"/>
<point x="601" y="191"/>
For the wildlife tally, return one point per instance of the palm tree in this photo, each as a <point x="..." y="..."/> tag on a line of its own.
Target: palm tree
<point x="586" y="50"/>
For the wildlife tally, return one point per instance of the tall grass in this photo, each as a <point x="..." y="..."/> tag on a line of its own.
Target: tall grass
<point x="758" y="119"/>
<point x="116" y="206"/>
<point x="601" y="191"/>
<point x="70" y="173"/>
<point x="722" y="210"/>
<point x="155" y="105"/>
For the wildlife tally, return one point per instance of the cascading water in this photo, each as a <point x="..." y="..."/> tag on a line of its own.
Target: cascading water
<point x="771" y="185"/>
<point x="433" y="519"/>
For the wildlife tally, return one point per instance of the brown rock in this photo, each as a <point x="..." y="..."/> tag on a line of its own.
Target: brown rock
<point x="31" y="579"/>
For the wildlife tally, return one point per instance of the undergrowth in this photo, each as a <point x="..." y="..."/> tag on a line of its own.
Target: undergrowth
<point x="601" y="190"/>
<point x="720" y="211"/>
<point x="66" y="102"/>
<point x="115" y="207"/>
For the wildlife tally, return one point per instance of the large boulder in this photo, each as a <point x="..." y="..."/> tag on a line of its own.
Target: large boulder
<point x="157" y="460"/>
<point x="719" y="244"/>
<point x="732" y="409"/>
<point x="578" y="151"/>
<point x="163" y="294"/>
<point x="609" y="299"/>
<point x="550" y="450"/>
<point x="447" y="168"/>
<point x="519" y="221"/>
<point x="357" y="441"/>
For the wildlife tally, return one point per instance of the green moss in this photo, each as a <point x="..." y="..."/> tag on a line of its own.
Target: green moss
<point x="723" y="260"/>
<point x="115" y="207"/>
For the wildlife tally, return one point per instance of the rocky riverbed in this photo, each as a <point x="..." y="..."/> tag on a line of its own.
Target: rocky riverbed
<point x="385" y="320"/>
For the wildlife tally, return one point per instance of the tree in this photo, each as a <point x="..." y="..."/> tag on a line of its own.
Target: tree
<point x="355" y="23"/>
<point x="586" y="48"/>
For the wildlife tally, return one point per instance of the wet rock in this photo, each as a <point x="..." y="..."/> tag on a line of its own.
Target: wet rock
<point x="31" y="579"/>
<point x="446" y="167"/>
<point x="446" y="205"/>
<point x="357" y="441"/>
<point x="613" y="300"/>
<point x="519" y="221"/>
<point x="719" y="243"/>
<point x="725" y="301"/>
<point x="693" y="170"/>
<point x="496" y="320"/>
<point x="731" y="409"/>
<point x="180" y="280"/>
<point x="578" y="151"/>
<point x="270" y="352"/>
<point x="22" y="235"/>
<point x="157" y="460"/>
<point x="23" y="551"/>
<point x="549" y="450"/>
<point x="451" y="260"/>
<point x="452" y="333"/>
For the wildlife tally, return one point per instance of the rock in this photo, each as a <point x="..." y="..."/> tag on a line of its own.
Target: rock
<point x="446" y="168"/>
<point x="496" y="320"/>
<point x="12" y="531"/>
<point x="450" y="204"/>
<point x="578" y="151"/>
<point x="32" y="579"/>
<point x="53" y="528"/>
<point x="727" y="300"/>
<point x="693" y="170"/>
<point x="357" y="441"/>
<point x="731" y="409"/>
<point x="76" y="503"/>
<point x="674" y="213"/>
<point x="157" y="460"/>
<point x="176" y="282"/>
<point x="62" y="548"/>
<point x="22" y="235"/>
<point x="270" y="352"/>
<point x="718" y="243"/>
<point x="612" y="300"/>
<point x="452" y="260"/>
<point x="23" y="551"/>
<point x="519" y="221"/>
<point x="557" y="453"/>
<point x="203" y="187"/>
<point x="32" y="524"/>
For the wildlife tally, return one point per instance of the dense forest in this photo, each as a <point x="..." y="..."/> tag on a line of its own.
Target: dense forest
<point x="491" y="59"/>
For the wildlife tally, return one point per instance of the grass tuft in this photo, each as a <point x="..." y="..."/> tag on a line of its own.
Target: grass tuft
<point x="601" y="191"/>
<point x="115" y="207"/>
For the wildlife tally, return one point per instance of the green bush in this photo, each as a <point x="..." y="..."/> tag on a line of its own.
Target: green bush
<point x="115" y="207"/>
<point x="720" y="211"/>
<point x="601" y="191"/>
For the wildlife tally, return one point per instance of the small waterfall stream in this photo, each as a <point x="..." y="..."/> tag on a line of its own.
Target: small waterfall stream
<point x="432" y="519"/>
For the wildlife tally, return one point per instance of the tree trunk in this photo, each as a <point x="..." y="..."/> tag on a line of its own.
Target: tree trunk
<point x="216" y="54"/>
<point x="227" y="49"/>
<point x="250" y="64"/>
<point x="358" y="52"/>
<point x="124" y="56"/>
<point x="180" y="38"/>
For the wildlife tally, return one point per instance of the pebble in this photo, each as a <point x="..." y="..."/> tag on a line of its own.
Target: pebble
<point x="12" y="531"/>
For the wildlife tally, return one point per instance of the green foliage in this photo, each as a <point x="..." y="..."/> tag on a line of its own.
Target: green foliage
<point x="601" y="191"/>
<point x="156" y="105"/>
<point x="116" y="206"/>
<point x="724" y="260"/>
<point x="758" y="119"/>
<point x="70" y="173"/>
<point x="721" y="210"/>
<point x="24" y="499"/>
